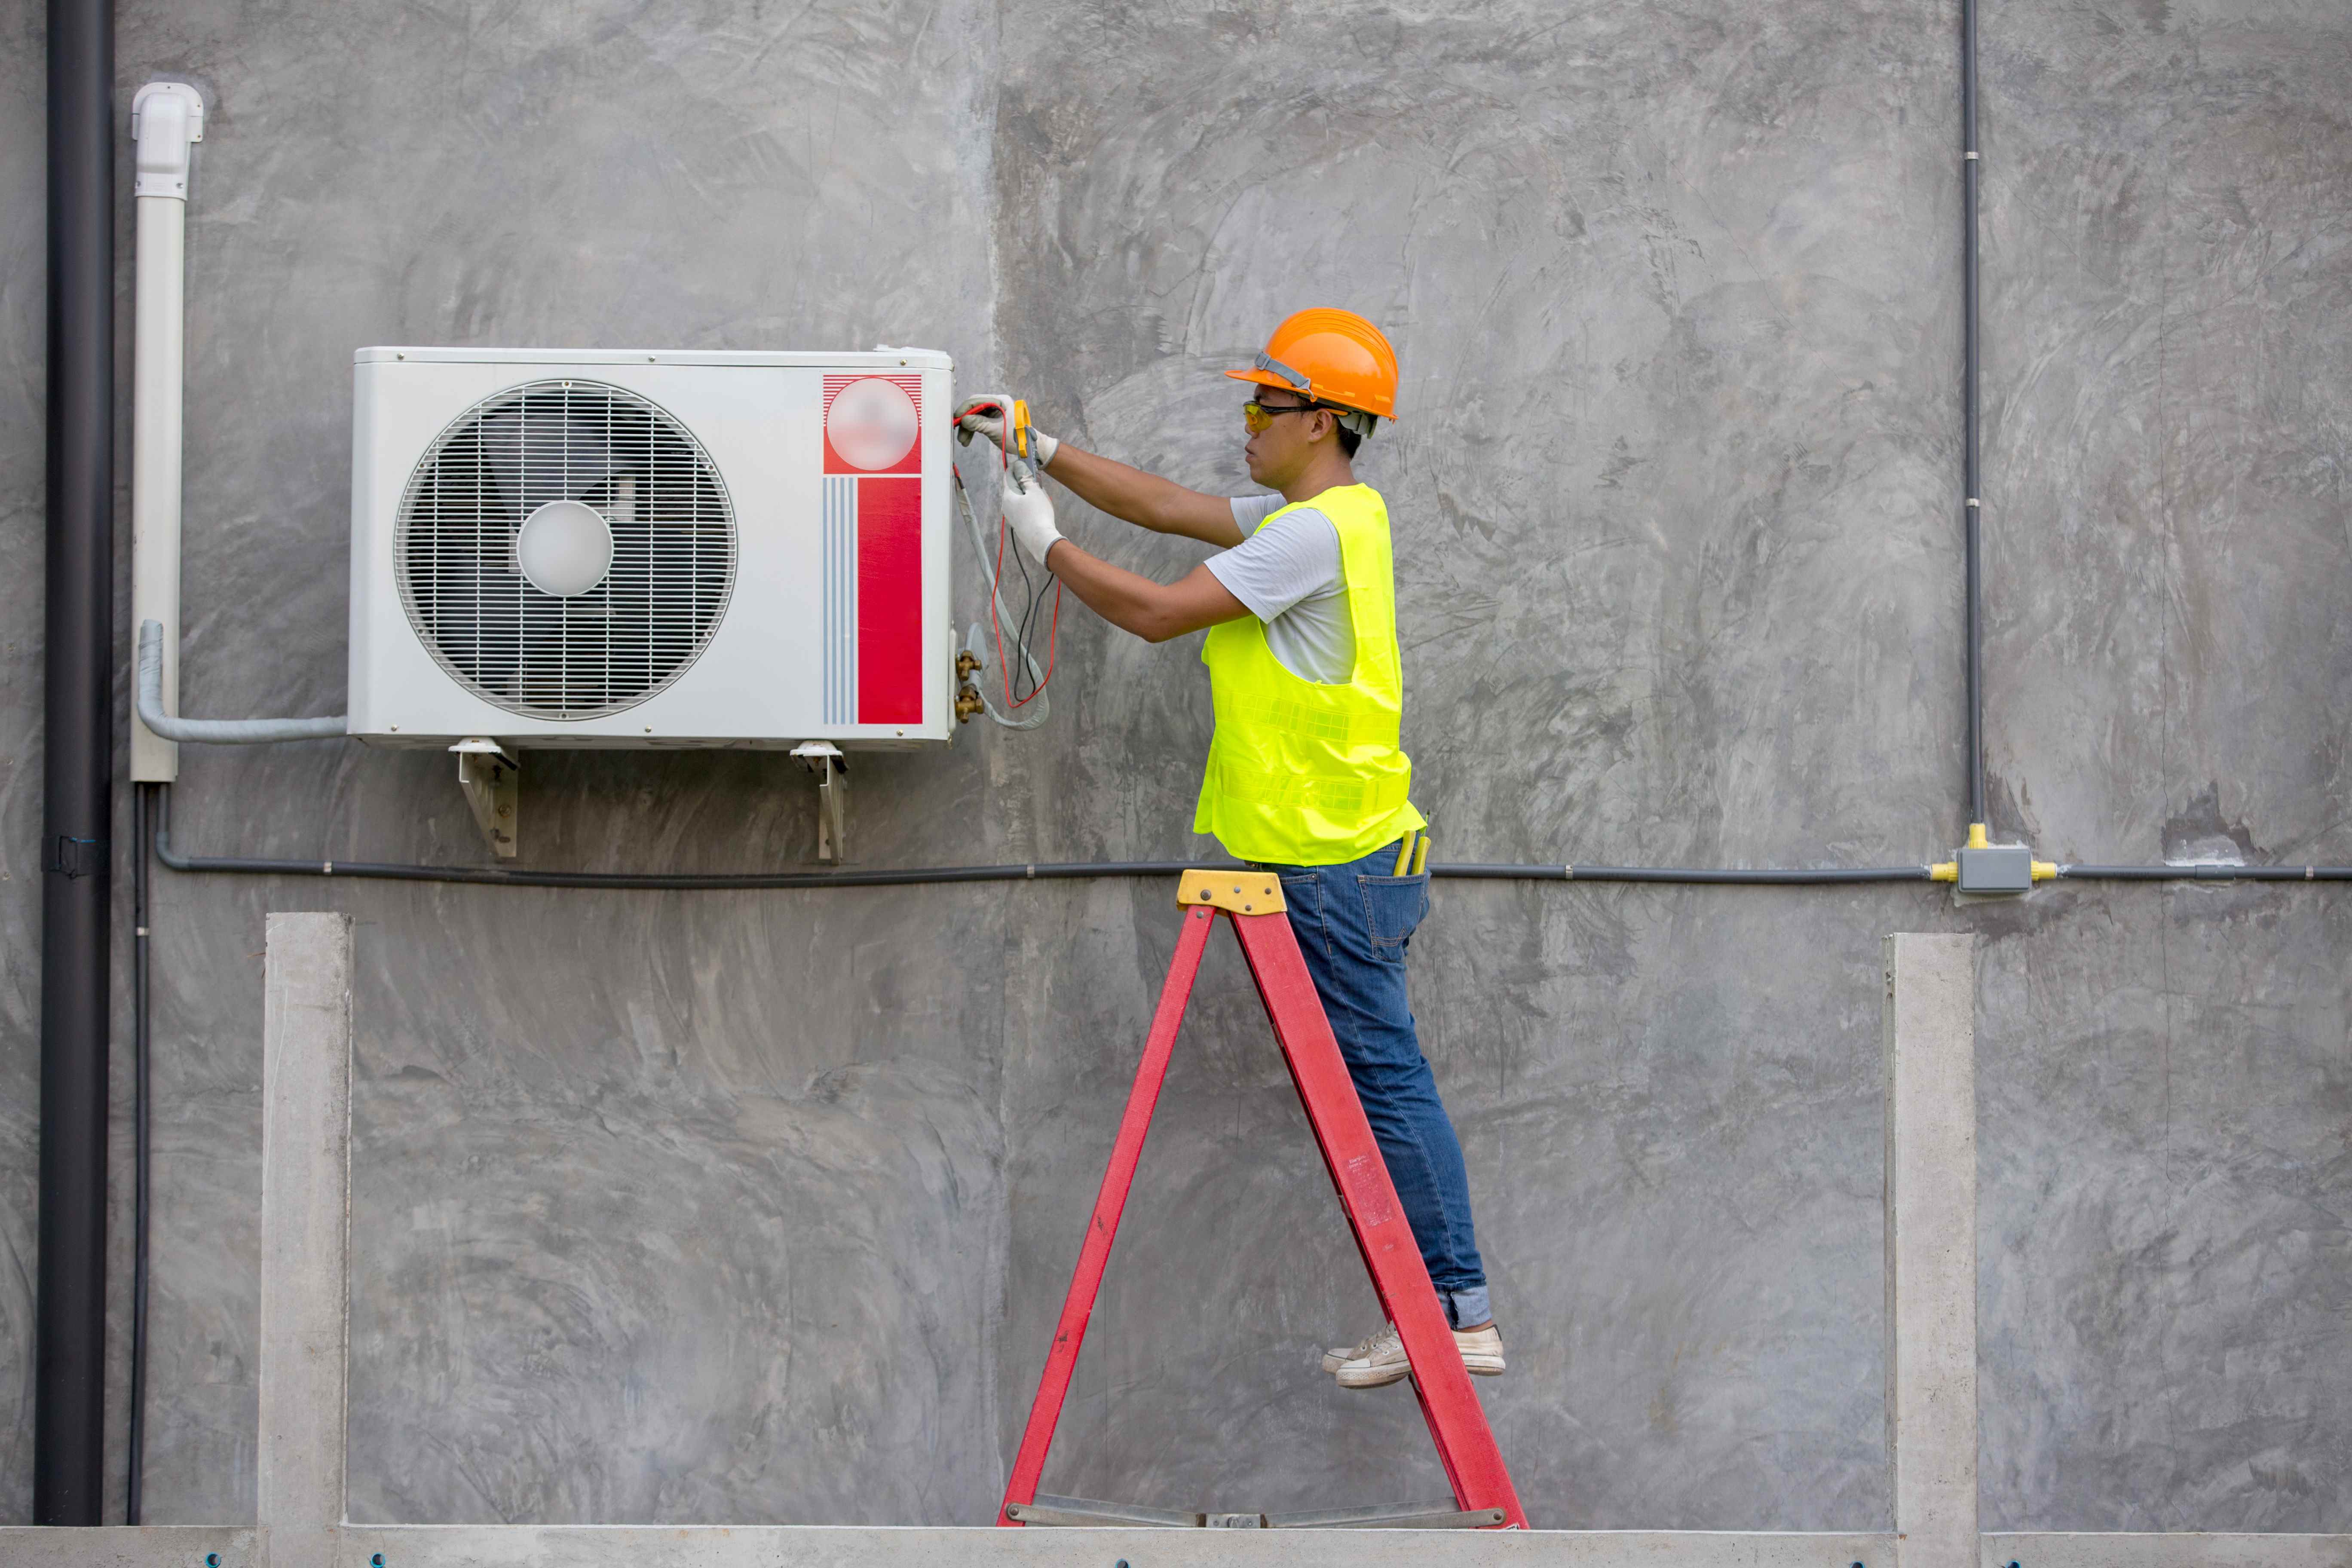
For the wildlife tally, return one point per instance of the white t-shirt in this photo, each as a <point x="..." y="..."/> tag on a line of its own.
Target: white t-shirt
<point x="1289" y="576"/>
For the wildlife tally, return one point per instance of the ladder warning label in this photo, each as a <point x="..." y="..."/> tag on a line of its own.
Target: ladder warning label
<point x="1375" y="1209"/>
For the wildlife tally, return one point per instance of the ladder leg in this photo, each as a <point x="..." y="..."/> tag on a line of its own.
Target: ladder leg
<point x="1102" y="1228"/>
<point x="1457" y="1422"/>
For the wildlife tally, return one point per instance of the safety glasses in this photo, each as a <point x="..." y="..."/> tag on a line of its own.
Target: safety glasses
<point x="1256" y="416"/>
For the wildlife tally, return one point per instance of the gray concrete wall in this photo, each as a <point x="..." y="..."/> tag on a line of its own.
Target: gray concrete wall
<point x="2165" y="1082"/>
<point x="755" y="1207"/>
<point x="24" y="273"/>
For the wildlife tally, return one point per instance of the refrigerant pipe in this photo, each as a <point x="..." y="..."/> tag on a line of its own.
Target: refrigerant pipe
<point x="218" y="732"/>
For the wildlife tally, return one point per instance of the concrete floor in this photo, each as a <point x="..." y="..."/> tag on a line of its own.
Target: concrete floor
<point x="757" y="1207"/>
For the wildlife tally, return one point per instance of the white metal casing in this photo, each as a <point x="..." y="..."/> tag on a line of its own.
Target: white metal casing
<point x="167" y="119"/>
<point x="760" y="417"/>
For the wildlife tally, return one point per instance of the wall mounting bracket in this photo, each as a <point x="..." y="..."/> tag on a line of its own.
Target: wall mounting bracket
<point x="824" y="759"/>
<point x="490" y="776"/>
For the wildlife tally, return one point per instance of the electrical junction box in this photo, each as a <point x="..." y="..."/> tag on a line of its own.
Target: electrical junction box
<point x="1996" y="869"/>
<point x="560" y="548"/>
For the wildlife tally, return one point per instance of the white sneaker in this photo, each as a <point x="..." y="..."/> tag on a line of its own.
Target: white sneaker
<point x="1335" y="1358"/>
<point x="1381" y="1360"/>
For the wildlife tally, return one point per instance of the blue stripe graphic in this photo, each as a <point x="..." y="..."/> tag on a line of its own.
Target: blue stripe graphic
<point x="840" y="599"/>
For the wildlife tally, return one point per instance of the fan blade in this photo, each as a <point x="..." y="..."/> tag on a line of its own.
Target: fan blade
<point x="543" y="450"/>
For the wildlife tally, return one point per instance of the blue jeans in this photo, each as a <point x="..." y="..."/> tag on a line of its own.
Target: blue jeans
<point x="1354" y="923"/>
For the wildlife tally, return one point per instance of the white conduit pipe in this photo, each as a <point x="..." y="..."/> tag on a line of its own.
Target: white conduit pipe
<point x="167" y="119"/>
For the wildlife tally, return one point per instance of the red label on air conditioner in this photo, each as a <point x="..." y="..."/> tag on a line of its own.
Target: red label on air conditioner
<point x="889" y="601"/>
<point x="873" y="430"/>
<point x="873" y="424"/>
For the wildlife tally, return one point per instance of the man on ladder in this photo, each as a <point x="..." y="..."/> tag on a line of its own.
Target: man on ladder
<point x="1305" y="777"/>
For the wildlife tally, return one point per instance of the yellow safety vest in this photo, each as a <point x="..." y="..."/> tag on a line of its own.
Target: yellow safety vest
<point x="1301" y="774"/>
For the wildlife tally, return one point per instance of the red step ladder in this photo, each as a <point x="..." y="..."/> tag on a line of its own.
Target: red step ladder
<point x="1483" y="1495"/>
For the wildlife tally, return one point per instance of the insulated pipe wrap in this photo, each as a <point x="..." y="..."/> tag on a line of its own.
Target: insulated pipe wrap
<point x="217" y="732"/>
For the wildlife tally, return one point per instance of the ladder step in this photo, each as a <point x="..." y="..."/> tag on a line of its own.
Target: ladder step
<point x="1091" y="1512"/>
<point x="1049" y="1510"/>
<point x="1390" y="1516"/>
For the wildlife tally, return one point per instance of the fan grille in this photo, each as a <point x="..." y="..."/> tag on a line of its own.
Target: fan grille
<point x="595" y="653"/>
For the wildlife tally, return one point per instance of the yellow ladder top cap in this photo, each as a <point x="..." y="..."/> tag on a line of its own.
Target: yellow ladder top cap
<point x="1238" y="892"/>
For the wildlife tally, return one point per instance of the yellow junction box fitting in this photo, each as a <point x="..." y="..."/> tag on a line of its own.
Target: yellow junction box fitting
<point x="1983" y="866"/>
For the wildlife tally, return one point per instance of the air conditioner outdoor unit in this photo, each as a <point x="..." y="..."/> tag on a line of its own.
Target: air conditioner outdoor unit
<point x="575" y="549"/>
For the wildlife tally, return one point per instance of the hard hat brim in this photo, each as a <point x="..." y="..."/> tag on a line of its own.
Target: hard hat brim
<point x="1267" y="378"/>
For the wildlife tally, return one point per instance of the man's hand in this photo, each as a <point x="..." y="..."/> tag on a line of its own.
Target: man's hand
<point x="985" y="416"/>
<point x="1030" y="512"/>
<point x="1129" y="494"/>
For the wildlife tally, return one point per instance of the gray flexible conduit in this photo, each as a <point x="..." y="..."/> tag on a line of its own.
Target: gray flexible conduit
<point x="142" y="1147"/>
<point x="1822" y="877"/>
<point x="1079" y="870"/>
<point x="2205" y="873"/>
<point x="216" y="732"/>
<point x="1971" y="421"/>
<point x="1042" y="871"/>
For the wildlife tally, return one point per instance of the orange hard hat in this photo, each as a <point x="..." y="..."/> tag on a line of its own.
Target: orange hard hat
<point x="1331" y="356"/>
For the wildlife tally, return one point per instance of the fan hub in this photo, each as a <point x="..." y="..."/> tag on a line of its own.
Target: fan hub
<point x="565" y="547"/>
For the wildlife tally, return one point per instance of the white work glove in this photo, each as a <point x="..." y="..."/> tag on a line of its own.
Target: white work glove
<point x="1030" y="512"/>
<point x="985" y="416"/>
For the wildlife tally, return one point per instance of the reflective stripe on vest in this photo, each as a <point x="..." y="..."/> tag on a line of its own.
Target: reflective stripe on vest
<point x="1300" y="772"/>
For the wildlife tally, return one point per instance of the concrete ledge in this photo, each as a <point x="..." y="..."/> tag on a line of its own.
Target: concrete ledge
<point x="2064" y="1549"/>
<point x="821" y="1546"/>
<point x="131" y="1546"/>
<point x="612" y="1546"/>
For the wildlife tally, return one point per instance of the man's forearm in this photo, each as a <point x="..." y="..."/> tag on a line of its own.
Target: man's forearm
<point x="1145" y="500"/>
<point x="1127" y="600"/>
<point x="1133" y="602"/>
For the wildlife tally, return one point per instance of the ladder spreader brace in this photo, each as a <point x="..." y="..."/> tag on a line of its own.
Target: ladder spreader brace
<point x="1483" y="1495"/>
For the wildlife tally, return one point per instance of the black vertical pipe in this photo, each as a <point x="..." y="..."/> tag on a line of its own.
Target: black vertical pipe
<point x="69" y="1374"/>
<point x="134" y="1463"/>
<point x="1971" y="506"/>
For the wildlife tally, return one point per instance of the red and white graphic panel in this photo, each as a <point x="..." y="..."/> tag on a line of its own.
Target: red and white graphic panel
<point x="873" y="424"/>
<point x="873" y="549"/>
